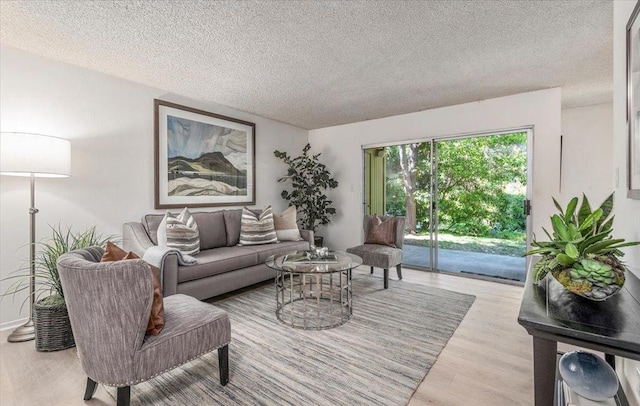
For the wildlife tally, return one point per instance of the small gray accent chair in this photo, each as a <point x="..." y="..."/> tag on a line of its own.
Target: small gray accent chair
<point x="109" y="305"/>
<point x="382" y="256"/>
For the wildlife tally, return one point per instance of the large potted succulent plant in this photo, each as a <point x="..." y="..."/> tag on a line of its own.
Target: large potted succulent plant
<point x="50" y="316"/>
<point x="309" y="179"/>
<point x="581" y="253"/>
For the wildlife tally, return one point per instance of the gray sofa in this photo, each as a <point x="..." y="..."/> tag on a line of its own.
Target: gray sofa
<point x="223" y="265"/>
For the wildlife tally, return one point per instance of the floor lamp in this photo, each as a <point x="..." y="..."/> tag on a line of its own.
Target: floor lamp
<point x="33" y="156"/>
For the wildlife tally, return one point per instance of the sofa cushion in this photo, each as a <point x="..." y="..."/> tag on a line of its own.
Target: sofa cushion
<point x="232" y="220"/>
<point x="212" y="229"/>
<point x="286" y="226"/>
<point x="151" y="222"/>
<point x="285" y="247"/>
<point x="257" y="228"/>
<point x="379" y="256"/>
<point x="216" y="261"/>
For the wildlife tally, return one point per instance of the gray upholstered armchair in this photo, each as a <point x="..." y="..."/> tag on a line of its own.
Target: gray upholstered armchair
<point x="379" y="255"/>
<point x="109" y="305"/>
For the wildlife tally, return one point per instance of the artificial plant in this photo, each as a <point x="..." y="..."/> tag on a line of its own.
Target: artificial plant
<point x="581" y="252"/>
<point x="46" y="263"/>
<point x="309" y="179"/>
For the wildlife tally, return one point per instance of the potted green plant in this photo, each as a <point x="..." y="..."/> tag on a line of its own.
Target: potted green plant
<point x="50" y="316"/>
<point x="309" y="179"/>
<point x="581" y="253"/>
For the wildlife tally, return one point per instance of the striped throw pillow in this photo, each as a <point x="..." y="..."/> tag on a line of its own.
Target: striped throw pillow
<point x="257" y="228"/>
<point x="181" y="232"/>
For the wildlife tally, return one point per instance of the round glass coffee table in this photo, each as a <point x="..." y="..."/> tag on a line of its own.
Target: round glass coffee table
<point x="313" y="293"/>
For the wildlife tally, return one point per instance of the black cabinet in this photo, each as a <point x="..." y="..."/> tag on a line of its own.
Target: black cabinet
<point x="550" y="314"/>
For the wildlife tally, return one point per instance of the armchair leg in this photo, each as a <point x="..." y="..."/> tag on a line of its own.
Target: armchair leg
<point x="223" y="364"/>
<point x="386" y="278"/>
<point x="124" y="396"/>
<point x="91" y="389"/>
<point x="399" y="269"/>
<point x="372" y="270"/>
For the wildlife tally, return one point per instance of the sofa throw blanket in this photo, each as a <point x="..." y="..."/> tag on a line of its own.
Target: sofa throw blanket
<point x="155" y="256"/>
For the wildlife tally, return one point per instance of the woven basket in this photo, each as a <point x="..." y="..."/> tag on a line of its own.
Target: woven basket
<point x="52" y="327"/>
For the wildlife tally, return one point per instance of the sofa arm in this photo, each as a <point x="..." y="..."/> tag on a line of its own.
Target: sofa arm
<point x="170" y="275"/>
<point x="135" y="238"/>
<point x="307" y="235"/>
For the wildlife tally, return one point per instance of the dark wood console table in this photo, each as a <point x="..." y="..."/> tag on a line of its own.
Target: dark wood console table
<point x="551" y="314"/>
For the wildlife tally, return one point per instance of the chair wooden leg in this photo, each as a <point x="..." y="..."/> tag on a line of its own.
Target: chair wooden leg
<point x="372" y="270"/>
<point x="386" y="278"/>
<point x="399" y="269"/>
<point x="223" y="364"/>
<point x="124" y="396"/>
<point x="91" y="389"/>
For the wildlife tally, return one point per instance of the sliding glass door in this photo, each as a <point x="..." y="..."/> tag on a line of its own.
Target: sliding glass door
<point x="464" y="199"/>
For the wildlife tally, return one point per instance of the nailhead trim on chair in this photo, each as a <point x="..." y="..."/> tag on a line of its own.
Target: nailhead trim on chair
<point x="160" y="373"/>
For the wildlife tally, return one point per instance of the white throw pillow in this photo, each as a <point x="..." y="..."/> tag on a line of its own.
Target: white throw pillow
<point x="286" y="225"/>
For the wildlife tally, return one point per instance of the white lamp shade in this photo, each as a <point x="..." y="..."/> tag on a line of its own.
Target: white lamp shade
<point x="23" y="154"/>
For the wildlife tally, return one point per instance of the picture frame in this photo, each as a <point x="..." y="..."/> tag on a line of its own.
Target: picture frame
<point x="633" y="104"/>
<point x="202" y="159"/>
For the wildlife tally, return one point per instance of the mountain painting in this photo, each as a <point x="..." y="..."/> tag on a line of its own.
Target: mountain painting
<point x="205" y="159"/>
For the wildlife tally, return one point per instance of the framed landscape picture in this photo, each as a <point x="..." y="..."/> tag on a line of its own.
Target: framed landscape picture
<point x="633" y="102"/>
<point x="202" y="159"/>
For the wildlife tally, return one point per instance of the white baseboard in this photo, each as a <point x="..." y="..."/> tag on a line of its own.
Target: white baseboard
<point x="12" y="324"/>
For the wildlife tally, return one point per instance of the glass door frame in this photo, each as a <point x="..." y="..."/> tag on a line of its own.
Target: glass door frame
<point x="433" y="207"/>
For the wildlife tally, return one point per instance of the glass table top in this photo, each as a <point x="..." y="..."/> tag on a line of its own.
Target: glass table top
<point x="303" y="262"/>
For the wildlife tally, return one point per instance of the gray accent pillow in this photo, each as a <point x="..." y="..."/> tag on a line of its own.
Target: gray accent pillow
<point x="257" y="229"/>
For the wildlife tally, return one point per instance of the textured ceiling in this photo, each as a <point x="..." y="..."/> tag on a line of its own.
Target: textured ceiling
<point x="321" y="63"/>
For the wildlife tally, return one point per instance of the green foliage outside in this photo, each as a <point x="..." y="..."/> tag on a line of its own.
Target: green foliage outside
<point x="481" y="185"/>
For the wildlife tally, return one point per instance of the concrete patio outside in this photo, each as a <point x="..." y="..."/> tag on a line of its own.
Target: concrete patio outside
<point x="497" y="266"/>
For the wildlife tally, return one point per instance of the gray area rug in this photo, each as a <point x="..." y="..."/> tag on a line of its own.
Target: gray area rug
<point x="379" y="357"/>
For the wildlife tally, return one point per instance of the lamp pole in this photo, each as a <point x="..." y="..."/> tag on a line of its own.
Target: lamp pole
<point x="26" y="332"/>
<point x="32" y="155"/>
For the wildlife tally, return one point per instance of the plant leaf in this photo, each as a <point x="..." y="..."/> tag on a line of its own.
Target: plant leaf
<point x="571" y="208"/>
<point x="555" y="202"/>
<point x="591" y="219"/>
<point x="585" y="210"/>
<point x="607" y="206"/>
<point x="564" y="259"/>
<point x="595" y="248"/>
<point x="607" y="225"/>
<point x="571" y="251"/>
<point x="559" y="227"/>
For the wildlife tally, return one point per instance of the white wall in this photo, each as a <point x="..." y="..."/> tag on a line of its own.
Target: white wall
<point x="588" y="152"/>
<point x="627" y="210"/>
<point x="342" y="150"/>
<point x="110" y="124"/>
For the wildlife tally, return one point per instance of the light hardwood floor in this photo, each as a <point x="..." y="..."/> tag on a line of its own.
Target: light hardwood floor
<point x="487" y="361"/>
